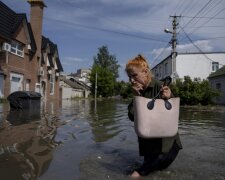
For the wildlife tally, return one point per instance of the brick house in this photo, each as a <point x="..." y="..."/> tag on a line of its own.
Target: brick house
<point x="28" y="60"/>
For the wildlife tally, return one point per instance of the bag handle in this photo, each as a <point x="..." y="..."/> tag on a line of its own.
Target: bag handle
<point x="166" y="81"/>
<point x="151" y="104"/>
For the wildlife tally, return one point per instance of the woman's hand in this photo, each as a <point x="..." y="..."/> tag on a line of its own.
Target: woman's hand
<point x="137" y="87"/>
<point x="166" y="92"/>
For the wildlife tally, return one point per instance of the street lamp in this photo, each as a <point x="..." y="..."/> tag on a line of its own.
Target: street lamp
<point x="168" y="31"/>
<point x="174" y="53"/>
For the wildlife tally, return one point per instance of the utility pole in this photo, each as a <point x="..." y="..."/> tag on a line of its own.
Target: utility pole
<point x="174" y="45"/>
<point x="96" y="86"/>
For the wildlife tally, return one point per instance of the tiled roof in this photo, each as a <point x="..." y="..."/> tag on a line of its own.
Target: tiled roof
<point x="7" y="18"/>
<point x="72" y="84"/>
<point x="9" y="23"/>
<point x="47" y="41"/>
<point x="219" y="72"/>
<point x="44" y="42"/>
<point x="42" y="59"/>
<point x="53" y="48"/>
<point x="59" y="65"/>
<point x="50" y="60"/>
<point x="17" y="21"/>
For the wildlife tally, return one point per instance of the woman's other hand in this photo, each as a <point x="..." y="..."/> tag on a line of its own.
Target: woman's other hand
<point x="166" y="92"/>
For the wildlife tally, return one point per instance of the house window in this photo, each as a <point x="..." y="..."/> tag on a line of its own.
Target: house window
<point x="37" y="87"/>
<point x="156" y="74"/>
<point x="16" y="82"/>
<point x="17" y="49"/>
<point x="215" y="66"/>
<point x="27" y="85"/>
<point x="166" y="68"/>
<point x="160" y="71"/>
<point x="218" y="86"/>
<point x="52" y="82"/>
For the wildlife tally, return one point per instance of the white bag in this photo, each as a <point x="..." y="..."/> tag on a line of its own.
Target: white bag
<point x="153" y="120"/>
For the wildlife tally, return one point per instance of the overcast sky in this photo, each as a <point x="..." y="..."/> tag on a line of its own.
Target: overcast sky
<point x="128" y="28"/>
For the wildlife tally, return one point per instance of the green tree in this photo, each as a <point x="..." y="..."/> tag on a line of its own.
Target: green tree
<point x="105" y="81"/>
<point x="123" y="89"/>
<point x="106" y="68"/>
<point x="107" y="61"/>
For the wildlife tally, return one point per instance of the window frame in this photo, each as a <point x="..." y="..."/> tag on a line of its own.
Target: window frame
<point x="218" y="86"/>
<point x="17" y="48"/>
<point x="52" y="84"/>
<point x="215" y="66"/>
<point x="166" y="68"/>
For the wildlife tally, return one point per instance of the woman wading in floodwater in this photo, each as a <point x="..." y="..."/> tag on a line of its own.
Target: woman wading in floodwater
<point x="158" y="153"/>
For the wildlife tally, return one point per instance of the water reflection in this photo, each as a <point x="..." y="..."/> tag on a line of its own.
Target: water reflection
<point x="18" y="117"/>
<point x="26" y="143"/>
<point x="103" y="120"/>
<point x="80" y="140"/>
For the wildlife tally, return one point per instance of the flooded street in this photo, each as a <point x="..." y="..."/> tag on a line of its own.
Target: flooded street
<point x="82" y="140"/>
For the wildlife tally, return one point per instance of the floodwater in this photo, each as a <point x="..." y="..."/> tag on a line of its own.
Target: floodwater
<point x="83" y="140"/>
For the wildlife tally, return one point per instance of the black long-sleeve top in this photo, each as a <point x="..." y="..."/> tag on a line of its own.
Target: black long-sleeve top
<point x="153" y="145"/>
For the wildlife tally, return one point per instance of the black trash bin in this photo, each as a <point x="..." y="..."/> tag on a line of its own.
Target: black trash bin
<point x="24" y="100"/>
<point x="24" y="107"/>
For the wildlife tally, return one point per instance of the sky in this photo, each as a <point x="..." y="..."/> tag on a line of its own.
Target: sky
<point x="128" y="28"/>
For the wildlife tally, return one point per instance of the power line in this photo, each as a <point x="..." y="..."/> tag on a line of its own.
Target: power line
<point x="208" y="39"/>
<point x="188" y="6"/>
<point x="200" y="17"/>
<point x="192" y="19"/>
<point x="207" y="27"/>
<point x="179" y="4"/>
<point x="109" y="19"/>
<point x="197" y="46"/>
<point x="197" y="13"/>
<point x="105" y="30"/>
<point x="207" y="10"/>
<point x="204" y="23"/>
<point x="70" y="4"/>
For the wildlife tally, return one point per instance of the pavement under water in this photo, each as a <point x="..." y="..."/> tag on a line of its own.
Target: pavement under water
<point x="81" y="139"/>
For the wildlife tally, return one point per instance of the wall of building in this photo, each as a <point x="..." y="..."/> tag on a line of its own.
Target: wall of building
<point x="11" y="63"/>
<point x="163" y="69"/>
<point x="219" y="84"/>
<point x="193" y="65"/>
<point x="197" y="65"/>
<point x="28" y="66"/>
<point x="68" y="93"/>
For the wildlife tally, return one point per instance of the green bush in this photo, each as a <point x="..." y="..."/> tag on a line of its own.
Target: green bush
<point x="123" y="89"/>
<point x="194" y="92"/>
